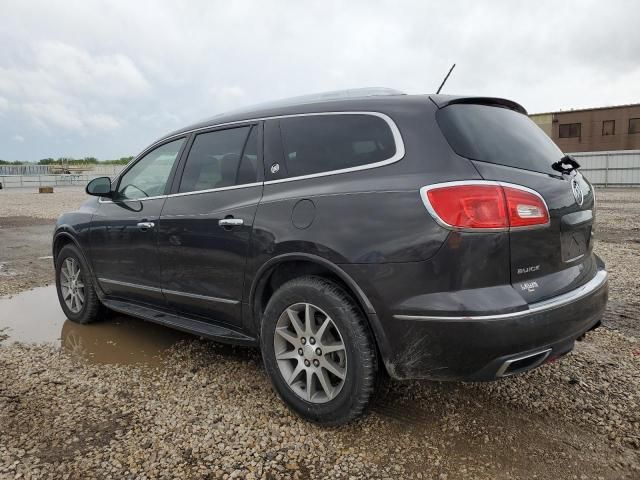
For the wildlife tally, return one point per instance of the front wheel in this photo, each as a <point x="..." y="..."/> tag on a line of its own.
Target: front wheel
<point x="318" y="351"/>
<point x="76" y="293"/>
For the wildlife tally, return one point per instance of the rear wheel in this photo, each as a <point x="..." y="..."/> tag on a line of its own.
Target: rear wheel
<point x="76" y="293"/>
<point x="318" y="351"/>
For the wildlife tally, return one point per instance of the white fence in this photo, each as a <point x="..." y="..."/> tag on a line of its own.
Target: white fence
<point x="107" y="170"/>
<point x="41" y="175"/>
<point x="35" y="181"/>
<point x="611" y="169"/>
<point x="606" y="169"/>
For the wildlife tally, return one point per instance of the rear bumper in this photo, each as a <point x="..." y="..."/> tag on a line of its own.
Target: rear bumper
<point x="486" y="347"/>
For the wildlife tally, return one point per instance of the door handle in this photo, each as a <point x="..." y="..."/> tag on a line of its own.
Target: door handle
<point x="144" y="226"/>
<point x="230" y="222"/>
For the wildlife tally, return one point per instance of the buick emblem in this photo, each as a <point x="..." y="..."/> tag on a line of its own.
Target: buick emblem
<point x="577" y="191"/>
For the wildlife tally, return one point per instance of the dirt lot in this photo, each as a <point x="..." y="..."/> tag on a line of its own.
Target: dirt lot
<point x="126" y="399"/>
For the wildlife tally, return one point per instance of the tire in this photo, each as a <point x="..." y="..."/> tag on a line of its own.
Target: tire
<point x="336" y="401"/>
<point x="89" y="309"/>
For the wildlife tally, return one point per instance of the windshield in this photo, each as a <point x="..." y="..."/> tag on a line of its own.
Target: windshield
<point x="498" y="135"/>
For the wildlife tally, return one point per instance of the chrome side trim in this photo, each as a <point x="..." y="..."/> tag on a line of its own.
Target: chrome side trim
<point x="130" y="285"/>
<point x="503" y="368"/>
<point x="597" y="282"/>
<point x="170" y="292"/>
<point x="200" y="297"/>
<point x="442" y="223"/>
<point x="395" y="131"/>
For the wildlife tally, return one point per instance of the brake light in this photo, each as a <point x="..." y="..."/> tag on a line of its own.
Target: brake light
<point x="485" y="205"/>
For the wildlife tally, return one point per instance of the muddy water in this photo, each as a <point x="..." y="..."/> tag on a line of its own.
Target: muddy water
<point x="36" y="317"/>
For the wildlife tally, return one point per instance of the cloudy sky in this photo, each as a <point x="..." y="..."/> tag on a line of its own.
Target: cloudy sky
<point x="105" y="78"/>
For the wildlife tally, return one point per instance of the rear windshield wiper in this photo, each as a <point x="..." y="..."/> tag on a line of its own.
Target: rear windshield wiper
<point x="565" y="165"/>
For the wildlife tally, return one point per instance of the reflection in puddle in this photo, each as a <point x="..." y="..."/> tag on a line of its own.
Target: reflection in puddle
<point x="33" y="316"/>
<point x="36" y="317"/>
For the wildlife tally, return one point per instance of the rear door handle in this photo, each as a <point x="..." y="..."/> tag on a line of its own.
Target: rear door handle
<point x="144" y="226"/>
<point x="230" y="222"/>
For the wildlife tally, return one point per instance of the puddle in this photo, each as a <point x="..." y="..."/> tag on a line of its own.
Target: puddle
<point x="35" y="316"/>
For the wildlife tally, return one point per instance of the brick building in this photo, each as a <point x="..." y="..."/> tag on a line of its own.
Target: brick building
<point x="593" y="129"/>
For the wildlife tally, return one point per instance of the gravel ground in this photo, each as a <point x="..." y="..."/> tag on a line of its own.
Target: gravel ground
<point x="207" y="411"/>
<point x="27" y="202"/>
<point x="26" y="225"/>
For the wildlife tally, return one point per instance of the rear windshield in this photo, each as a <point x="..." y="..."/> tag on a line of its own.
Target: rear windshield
<point x="498" y="135"/>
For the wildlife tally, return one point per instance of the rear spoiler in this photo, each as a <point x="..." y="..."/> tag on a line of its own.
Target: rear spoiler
<point x="442" y="101"/>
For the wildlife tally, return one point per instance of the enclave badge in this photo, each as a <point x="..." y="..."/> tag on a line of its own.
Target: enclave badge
<point x="577" y="191"/>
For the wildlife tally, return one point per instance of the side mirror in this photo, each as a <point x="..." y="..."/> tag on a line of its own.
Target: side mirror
<point x="100" y="187"/>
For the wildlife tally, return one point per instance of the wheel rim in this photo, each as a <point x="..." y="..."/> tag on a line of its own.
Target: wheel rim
<point x="310" y="353"/>
<point x="72" y="285"/>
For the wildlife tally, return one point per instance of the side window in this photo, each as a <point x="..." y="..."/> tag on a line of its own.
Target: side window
<point x="569" y="130"/>
<point x="216" y="160"/>
<point x="321" y="143"/>
<point x="149" y="176"/>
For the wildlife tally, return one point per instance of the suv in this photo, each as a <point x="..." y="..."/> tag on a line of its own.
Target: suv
<point x="419" y="236"/>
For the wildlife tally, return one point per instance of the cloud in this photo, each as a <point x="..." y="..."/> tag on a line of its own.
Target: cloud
<point x="101" y="121"/>
<point x="77" y="71"/>
<point x="75" y="76"/>
<point x="18" y="138"/>
<point x="227" y="97"/>
<point x="51" y="115"/>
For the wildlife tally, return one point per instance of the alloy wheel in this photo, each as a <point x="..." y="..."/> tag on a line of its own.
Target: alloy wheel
<point x="72" y="284"/>
<point x="310" y="353"/>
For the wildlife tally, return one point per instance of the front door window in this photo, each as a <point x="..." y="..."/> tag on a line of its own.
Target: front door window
<point x="149" y="176"/>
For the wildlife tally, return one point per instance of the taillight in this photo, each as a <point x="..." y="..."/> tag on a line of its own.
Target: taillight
<point x="484" y="205"/>
<point x="526" y="209"/>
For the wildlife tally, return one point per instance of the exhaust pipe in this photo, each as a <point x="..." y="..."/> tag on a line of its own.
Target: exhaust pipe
<point x="522" y="363"/>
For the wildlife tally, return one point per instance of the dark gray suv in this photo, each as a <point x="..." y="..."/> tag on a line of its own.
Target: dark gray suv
<point x="419" y="236"/>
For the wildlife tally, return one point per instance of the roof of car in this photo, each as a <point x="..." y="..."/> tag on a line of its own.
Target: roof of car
<point x="362" y="99"/>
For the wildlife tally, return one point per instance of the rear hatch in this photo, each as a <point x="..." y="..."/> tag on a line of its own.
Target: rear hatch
<point x="506" y="146"/>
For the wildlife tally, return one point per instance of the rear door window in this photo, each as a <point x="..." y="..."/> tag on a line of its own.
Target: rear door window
<point x="221" y="158"/>
<point x="498" y="135"/>
<point x="323" y="143"/>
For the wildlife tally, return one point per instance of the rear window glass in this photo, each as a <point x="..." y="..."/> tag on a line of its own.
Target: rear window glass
<point x="498" y="135"/>
<point x="322" y="143"/>
<point x="216" y="160"/>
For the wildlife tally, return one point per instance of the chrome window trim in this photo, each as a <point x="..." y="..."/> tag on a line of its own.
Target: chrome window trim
<point x="182" y="194"/>
<point x="442" y="223"/>
<point x="395" y="131"/>
<point x="593" y="285"/>
<point x="397" y="140"/>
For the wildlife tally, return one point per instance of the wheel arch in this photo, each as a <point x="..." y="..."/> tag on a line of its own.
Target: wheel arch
<point x="298" y="263"/>
<point x="62" y="238"/>
<point x="282" y="268"/>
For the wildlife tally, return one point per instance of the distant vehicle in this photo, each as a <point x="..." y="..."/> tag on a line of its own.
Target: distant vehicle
<point x="348" y="236"/>
<point x="68" y="169"/>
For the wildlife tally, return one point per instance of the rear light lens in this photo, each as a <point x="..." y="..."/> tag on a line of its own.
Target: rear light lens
<point x="470" y="206"/>
<point x="485" y="206"/>
<point x="525" y="208"/>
